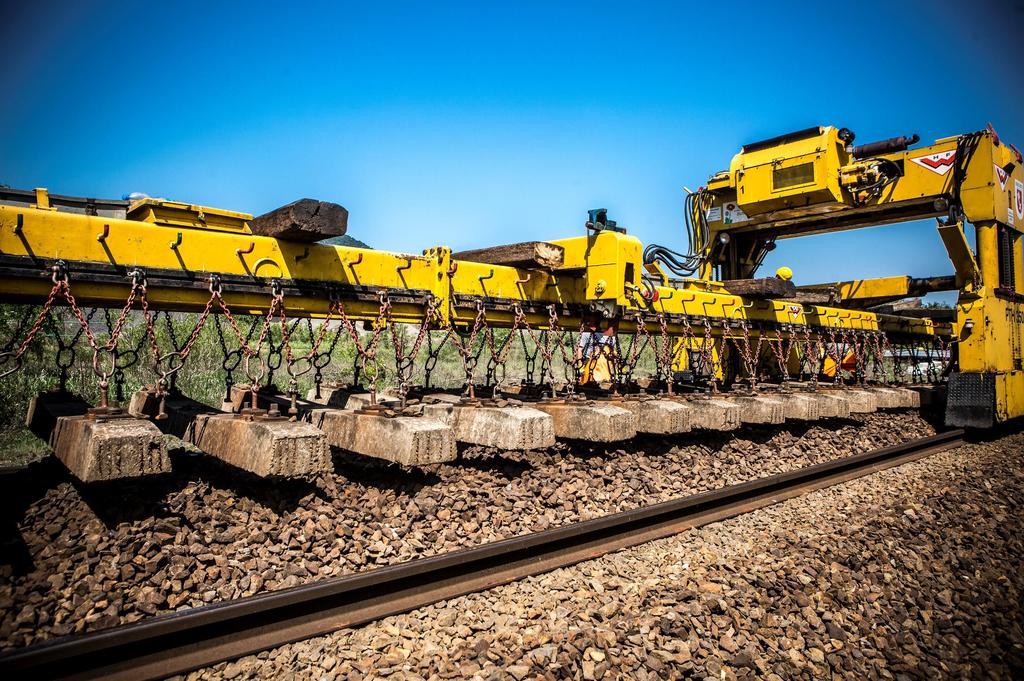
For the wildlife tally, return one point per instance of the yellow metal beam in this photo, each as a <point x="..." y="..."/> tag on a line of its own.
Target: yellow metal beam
<point x="599" y="268"/>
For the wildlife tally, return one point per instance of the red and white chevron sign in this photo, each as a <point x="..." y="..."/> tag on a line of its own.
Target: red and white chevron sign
<point x="1002" y="176"/>
<point x="939" y="163"/>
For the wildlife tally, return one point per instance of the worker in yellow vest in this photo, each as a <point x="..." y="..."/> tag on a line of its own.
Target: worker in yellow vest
<point x="596" y="350"/>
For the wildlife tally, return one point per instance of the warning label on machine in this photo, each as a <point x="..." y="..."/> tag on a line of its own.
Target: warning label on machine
<point x="1002" y="176"/>
<point x="939" y="163"/>
<point x="714" y="214"/>
<point x="732" y="213"/>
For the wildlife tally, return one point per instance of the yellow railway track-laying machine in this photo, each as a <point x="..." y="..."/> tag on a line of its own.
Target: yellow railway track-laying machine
<point x="711" y="322"/>
<point x="816" y="181"/>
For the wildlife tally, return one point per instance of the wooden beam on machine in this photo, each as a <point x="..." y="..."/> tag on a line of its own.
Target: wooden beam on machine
<point x="530" y="254"/>
<point x="305" y="220"/>
<point x="766" y="287"/>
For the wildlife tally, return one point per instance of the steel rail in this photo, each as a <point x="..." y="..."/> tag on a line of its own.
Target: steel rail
<point x="179" y="642"/>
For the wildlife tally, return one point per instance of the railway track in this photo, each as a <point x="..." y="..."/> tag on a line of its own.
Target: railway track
<point x="179" y="642"/>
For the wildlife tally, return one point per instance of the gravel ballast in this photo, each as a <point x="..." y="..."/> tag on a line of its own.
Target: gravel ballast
<point x="911" y="573"/>
<point x="83" y="558"/>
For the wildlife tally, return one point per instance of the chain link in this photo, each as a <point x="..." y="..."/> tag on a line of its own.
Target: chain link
<point x="638" y="343"/>
<point x="708" y="362"/>
<point x="465" y="348"/>
<point x="405" y="361"/>
<point x="750" y="357"/>
<point x="782" y="348"/>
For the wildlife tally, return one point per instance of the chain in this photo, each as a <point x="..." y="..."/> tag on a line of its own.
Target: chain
<point x="405" y="362"/>
<point x="811" y="355"/>
<point x="885" y="348"/>
<point x="782" y="348"/>
<point x="479" y="352"/>
<point x="543" y="344"/>
<point x="664" y="353"/>
<point x="113" y="356"/>
<point x="230" y="358"/>
<point x="175" y="359"/>
<point x="60" y="287"/>
<point x="275" y="352"/>
<point x="299" y="366"/>
<point x="899" y="371"/>
<point x="13" y="336"/>
<point x="945" y="353"/>
<point x="860" y="349"/>
<point x="249" y="350"/>
<point x="168" y="364"/>
<point x="686" y="347"/>
<point x="499" y="352"/>
<point x="123" y="359"/>
<point x="707" y="356"/>
<point x="832" y="348"/>
<point x="873" y="346"/>
<point x="570" y="365"/>
<point x="916" y="363"/>
<point x="803" y="335"/>
<point x="819" y="357"/>
<point x="110" y="347"/>
<point x="433" y="354"/>
<point x="848" y="341"/>
<point x="65" y="357"/>
<point x="465" y="347"/>
<point x="276" y="355"/>
<point x="747" y="355"/>
<point x="636" y="350"/>
<point x="547" y="365"/>
<point x="366" y="353"/>
<point x="844" y="350"/>
<point x="321" y="360"/>
<point x="172" y="336"/>
<point x="929" y="364"/>
<point x="529" y="358"/>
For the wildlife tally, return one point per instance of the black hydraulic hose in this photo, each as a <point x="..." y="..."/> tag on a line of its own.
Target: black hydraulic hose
<point x="698" y="235"/>
<point x="884" y="146"/>
<point x="965" y="147"/>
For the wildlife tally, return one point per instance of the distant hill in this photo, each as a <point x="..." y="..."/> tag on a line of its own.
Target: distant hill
<point x="345" y="240"/>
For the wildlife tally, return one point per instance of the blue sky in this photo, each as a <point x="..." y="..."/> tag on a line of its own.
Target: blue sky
<point x="471" y="124"/>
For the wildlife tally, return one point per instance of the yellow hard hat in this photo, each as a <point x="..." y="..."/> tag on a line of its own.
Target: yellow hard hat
<point x="784" y="273"/>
